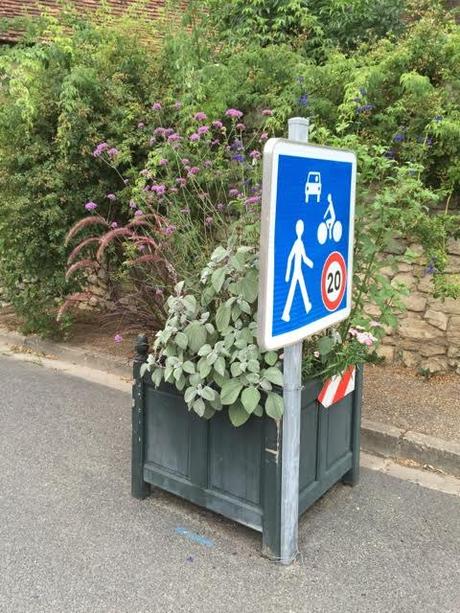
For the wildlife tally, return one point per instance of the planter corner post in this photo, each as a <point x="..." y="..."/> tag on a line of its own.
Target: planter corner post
<point x="139" y="488"/>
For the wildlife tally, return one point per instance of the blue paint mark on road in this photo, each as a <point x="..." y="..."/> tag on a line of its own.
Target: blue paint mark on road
<point x="196" y="538"/>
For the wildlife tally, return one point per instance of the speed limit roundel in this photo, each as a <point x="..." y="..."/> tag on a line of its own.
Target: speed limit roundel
<point x="333" y="280"/>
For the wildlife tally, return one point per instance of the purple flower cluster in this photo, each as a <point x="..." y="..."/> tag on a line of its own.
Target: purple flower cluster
<point x="365" y="108"/>
<point x="399" y="137"/>
<point x="111" y="197"/>
<point x="90" y="206"/>
<point x="156" y="106"/>
<point x="200" y="116"/>
<point x="100" y="149"/>
<point x="234" y="113"/>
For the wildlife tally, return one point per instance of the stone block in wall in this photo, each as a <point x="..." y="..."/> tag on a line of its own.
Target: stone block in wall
<point x="410" y="359"/>
<point x="453" y="351"/>
<point x="404" y="267"/>
<point x="450" y="306"/>
<point x="425" y="284"/>
<point x="436" y="364"/>
<point x="453" y="246"/>
<point x="425" y="349"/>
<point x="453" y="264"/>
<point x="417" y="329"/>
<point x="437" y="319"/>
<point x="387" y="352"/>
<point x="453" y="330"/>
<point x="405" y="278"/>
<point x="415" y="302"/>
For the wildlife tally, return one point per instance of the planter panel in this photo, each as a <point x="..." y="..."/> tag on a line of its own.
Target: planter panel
<point x="237" y="471"/>
<point x="235" y="458"/>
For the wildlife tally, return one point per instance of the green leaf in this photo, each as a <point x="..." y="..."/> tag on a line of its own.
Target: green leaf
<point x="271" y="358"/>
<point x="236" y="369"/>
<point x="199" y="407"/>
<point x="219" y="365"/>
<point x="208" y="412"/>
<point x="253" y="365"/>
<point x="204" y="350"/>
<point x="157" y="376"/>
<point x="274" y="375"/>
<point x="230" y="391"/>
<point x="274" y="405"/>
<point x="196" y="334"/>
<point x="219" y="254"/>
<point x="190" y="303"/>
<point x="208" y="393"/>
<point x="188" y="367"/>
<point x="190" y="394"/>
<point x="223" y="316"/>
<point x="218" y="278"/>
<point x="250" y="286"/>
<point x="325" y="345"/>
<point x="250" y="398"/>
<point x="181" y="340"/>
<point x="238" y="416"/>
<point x="143" y="369"/>
<point x="258" y="411"/>
<point x="204" y="368"/>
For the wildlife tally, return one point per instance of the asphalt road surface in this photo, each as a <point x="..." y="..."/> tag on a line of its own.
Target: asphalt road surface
<point x="73" y="540"/>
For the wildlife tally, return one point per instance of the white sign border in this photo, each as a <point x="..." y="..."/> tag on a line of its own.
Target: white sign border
<point x="275" y="147"/>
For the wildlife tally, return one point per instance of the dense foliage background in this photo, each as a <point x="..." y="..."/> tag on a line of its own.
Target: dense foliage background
<point x="380" y="78"/>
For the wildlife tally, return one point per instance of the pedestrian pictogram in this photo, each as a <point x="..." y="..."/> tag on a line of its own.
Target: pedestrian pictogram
<point x="306" y="241"/>
<point x="297" y="257"/>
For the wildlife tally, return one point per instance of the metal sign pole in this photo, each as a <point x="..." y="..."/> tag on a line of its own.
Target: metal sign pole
<point x="298" y="131"/>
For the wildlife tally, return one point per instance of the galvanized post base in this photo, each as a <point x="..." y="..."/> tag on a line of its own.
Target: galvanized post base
<point x="139" y="488"/>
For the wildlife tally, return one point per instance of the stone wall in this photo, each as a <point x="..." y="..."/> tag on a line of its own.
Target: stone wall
<point x="428" y="334"/>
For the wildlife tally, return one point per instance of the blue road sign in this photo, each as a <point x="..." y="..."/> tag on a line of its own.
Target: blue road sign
<point x="306" y="247"/>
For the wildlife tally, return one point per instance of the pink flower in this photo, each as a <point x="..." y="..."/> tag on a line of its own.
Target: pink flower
<point x="195" y="137"/>
<point x="138" y="213"/>
<point x="194" y="170"/>
<point x="169" y="230"/>
<point x="90" y="206"/>
<point x="174" y="138"/>
<point x="114" y="225"/>
<point x="263" y="137"/>
<point x="217" y="124"/>
<point x="185" y="161"/>
<point x="111" y="197"/>
<point x="234" y="113"/>
<point x="159" y="131"/>
<point x="100" y="149"/>
<point x="158" y="189"/>
<point x="208" y="221"/>
<point x="252" y="200"/>
<point x="112" y="152"/>
<point x="118" y="338"/>
<point x="132" y="204"/>
<point x="156" y="106"/>
<point x="200" y="116"/>
<point x="233" y="192"/>
<point x="163" y="162"/>
<point x="267" y="112"/>
<point x="220" y="206"/>
<point x="240" y="126"/>
<point x="254" y="154"/>
<point x="202" y="130"/>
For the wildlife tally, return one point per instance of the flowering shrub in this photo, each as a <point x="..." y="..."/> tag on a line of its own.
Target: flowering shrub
<point x="200" y="186"/>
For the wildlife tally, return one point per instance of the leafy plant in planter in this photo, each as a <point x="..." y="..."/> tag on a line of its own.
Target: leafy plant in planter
<point x="208" y="347"/>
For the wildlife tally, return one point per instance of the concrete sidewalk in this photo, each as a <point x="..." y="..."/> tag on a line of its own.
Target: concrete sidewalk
<point x="73" y="539"/>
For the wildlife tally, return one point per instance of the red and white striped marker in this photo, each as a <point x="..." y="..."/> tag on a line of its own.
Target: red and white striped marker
<point x="337" y="387"/>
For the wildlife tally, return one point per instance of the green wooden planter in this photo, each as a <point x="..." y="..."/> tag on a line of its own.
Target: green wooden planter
<point x="237" y="471"/>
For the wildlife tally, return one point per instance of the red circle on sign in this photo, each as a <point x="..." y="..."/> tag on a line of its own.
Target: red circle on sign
<point x="333" y="280"/>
